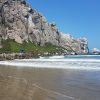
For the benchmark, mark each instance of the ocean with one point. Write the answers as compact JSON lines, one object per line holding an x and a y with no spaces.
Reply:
{"x":51,"y":78}
{"x":81,"y":62}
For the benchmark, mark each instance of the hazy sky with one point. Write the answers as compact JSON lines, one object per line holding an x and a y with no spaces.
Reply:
{"x":80,"y":18}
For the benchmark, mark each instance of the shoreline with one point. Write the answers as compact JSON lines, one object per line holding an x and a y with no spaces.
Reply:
{"x":13,"y":56}
{"x":49,"y":64}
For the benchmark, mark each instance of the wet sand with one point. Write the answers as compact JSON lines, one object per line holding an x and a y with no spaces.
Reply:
{"x":48,"y":84}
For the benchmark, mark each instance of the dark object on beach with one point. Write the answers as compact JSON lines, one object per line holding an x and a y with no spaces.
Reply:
{"x":22,"y":51}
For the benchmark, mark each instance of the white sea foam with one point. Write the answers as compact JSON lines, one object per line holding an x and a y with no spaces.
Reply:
{"x":80,"y":64}
{"x":56,"y":57}
{"x":58,"y":62}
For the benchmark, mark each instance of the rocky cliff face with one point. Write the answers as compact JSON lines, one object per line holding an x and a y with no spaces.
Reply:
{"x":20,"y":22}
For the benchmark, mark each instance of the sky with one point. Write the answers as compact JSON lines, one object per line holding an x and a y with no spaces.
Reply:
{"x":80,"y":18}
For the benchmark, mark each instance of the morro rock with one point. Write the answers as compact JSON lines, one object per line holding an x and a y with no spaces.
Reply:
{"x":18,"y":21}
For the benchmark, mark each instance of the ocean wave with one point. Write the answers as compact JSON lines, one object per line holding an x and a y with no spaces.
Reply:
{"x":55,"y":63}
{"x":53,"y":57}
{"x":58,"y":60}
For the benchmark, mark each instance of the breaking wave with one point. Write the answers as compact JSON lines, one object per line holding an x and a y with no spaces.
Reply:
{"x":88,"y":62}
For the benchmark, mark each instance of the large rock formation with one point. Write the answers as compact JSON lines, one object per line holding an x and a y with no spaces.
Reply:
{"x":20,"y":22}
{"x":96,"y":51}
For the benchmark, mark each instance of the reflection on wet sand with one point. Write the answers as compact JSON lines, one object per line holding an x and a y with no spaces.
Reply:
{"x":12,"y":88}
{"x":48,"y":84}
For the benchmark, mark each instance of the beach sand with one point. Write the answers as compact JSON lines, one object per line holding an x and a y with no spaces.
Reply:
{"x":48,"y":84}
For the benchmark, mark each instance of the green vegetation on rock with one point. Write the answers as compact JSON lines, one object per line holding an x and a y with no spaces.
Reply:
{"x":10,"y":46}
